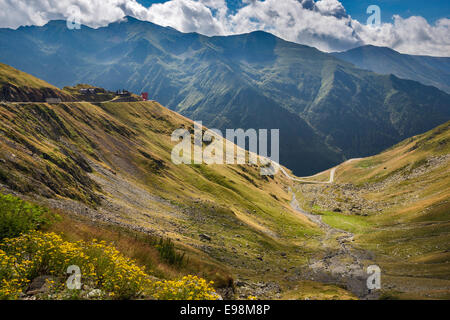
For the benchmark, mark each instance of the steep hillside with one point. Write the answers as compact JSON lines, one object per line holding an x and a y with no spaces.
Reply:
{"x":16,"y":85}
{"x":327,"y":109}
{"x":433,"y":71}
{"x":397,"y":205}
{"x":107,"y":166}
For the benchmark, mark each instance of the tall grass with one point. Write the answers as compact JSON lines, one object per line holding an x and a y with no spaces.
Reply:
{"x":167,"y":251}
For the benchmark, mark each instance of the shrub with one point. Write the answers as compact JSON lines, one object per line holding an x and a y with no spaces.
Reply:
{"x":17,"y":216}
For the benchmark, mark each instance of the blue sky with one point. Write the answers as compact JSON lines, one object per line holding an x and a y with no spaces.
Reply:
{"x":431,"y":10}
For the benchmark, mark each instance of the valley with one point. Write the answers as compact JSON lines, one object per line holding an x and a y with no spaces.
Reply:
{"x":110,"y":164}
{"x":104,"y":166}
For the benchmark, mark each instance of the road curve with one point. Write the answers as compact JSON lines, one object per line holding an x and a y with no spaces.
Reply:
{"x":332,"y":173}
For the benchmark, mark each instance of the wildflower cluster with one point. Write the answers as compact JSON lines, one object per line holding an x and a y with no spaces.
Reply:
{"x":105,"y":272}
{"x":118,"y":275}
{"x":102,"y":266}
{"x":188,"y":288}
{"x":11,"y":276}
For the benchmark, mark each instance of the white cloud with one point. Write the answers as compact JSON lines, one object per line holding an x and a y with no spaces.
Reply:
{"x":290,"y":20}
{"x":324,"y":24}
{"x":187,"y":16}
{"x":413,"y":35}
{"x":331,"y":8}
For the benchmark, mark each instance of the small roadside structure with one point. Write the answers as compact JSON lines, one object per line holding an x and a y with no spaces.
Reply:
{"x":123,"y":93}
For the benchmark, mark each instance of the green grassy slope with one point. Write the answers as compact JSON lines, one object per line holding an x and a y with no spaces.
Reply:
{"x":10,"y":75}
{"x":16,"y":85}
{"x":110,"y":163}
{"x":397,"y":205}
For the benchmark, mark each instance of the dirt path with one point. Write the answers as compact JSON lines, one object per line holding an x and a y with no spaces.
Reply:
{"x":340,"y":263}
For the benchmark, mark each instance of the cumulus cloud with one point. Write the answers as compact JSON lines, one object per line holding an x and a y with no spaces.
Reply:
{"x":94,"y":13}
{"x":291,"y":20}
{"x":324,"y":24}
{"x":189,"y":16}
{"x":413,"y":35}
{"x":331,"y":8}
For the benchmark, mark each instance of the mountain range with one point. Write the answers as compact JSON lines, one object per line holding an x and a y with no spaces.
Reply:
{"x":327,"y":109}
{"x":433,"y":71}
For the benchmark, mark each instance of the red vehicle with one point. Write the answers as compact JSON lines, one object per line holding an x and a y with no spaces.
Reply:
{"x":144,"y":96}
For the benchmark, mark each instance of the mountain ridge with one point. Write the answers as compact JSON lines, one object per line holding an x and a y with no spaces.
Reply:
{"x":429,"y":70}
{"x":204,"y":78}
